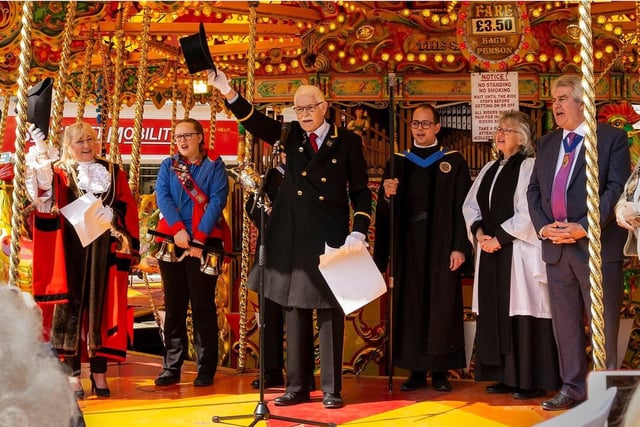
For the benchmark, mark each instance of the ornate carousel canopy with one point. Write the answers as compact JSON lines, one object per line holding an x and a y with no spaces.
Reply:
{"x":349,"y":45}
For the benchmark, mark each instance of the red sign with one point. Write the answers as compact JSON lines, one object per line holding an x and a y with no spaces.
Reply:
{"x":155,"y":138}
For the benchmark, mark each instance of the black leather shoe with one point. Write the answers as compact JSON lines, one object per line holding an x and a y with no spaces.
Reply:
{"x":441,"y":384}
{"x":100,"y":392}
{"x":270,"y":380}
{"x":291,"y":398}
{"x":414,"y":382}
{"x":560,"y":402}
{"x":498,"y":388}
{"x":168,"y":377}
{"x":332,"y":401}
{"x":203,"y":381}
{"x":523,"y":394}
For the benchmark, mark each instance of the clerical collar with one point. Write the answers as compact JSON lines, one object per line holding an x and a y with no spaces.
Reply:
{"x":425,"y":146}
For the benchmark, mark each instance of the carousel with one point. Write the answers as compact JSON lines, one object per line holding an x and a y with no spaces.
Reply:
{"x":120,"y":67}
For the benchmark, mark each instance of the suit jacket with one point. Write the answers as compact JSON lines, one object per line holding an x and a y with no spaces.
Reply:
{"x":613,"y":165}
{"x":312,"y":208}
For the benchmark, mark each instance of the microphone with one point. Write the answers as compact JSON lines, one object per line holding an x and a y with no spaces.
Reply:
{"x":284,"y":134}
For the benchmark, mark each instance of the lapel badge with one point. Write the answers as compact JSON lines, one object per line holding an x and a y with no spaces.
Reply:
{"x":445,"y":167}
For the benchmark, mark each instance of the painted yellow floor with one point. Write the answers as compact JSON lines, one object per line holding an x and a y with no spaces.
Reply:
{"x":136,"y":402}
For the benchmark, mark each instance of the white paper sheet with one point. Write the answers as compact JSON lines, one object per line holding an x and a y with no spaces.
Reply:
{"x":352,"y":276}
{"x":81,"y":213}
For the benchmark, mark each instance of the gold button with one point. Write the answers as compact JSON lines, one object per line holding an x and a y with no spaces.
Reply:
{"x":321,"y":198}
{"x":323,"y":179}
{"x":299,"y":192}
{"x":300,"y":149}
{"x":334,"y":161}
{"x":304,"y":173}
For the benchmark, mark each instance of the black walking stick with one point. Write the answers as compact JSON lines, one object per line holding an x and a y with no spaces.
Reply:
{"x":392,"y":138}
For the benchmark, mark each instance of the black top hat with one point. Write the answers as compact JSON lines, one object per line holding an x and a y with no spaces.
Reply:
{"x":196,"y":52}
{"x":39,"y":104}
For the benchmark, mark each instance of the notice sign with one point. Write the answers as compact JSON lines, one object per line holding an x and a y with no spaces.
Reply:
{"x":491,"y":94}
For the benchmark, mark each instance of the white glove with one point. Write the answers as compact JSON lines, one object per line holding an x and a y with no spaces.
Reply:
{"x":219,"y":81}
{"x":39,"y":138}
{"x":354,"y":242}
{"x":104,"y":216}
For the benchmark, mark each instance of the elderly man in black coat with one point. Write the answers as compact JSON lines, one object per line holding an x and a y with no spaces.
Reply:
{"x":325,"y":171}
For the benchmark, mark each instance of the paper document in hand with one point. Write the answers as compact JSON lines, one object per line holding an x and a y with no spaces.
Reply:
{"x":352,"y":276}
{"x":81,"y":213}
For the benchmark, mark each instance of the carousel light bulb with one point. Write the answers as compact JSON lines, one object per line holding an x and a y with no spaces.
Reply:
{"x":282,"y":67}
{"x":411,"y":57}
{"x":577,"y":59}
{"x":445,"y":20}
{"x":331,"y":47}
{"x":332,"y":26}
{"x":341,"y":18}
{"x":422,"y":57}
{"x":398,"y":57}
{"x":451,"y":58}
{"x":608,"y":48}
{"x":558,"y":57}
{"x":608,"y":26}
{"x":426,"y":13}
{"x":295,"y":63}
{"x":352,"y":61}
{"x":322,"y":29}
{"x":342,"y":54}
{"x":530,"y":57}
{"x":352,"y":8}
{"x":435,"y":19}
{"x":406,"y":12}
{"x":257,"y":65}
{"x":453,"y":16}
{"x":437,"y":57}
{"x":365,"y":57}
{"x":601,"y":19}
{"x":385,"y":57}
{"x":268,"y":68}
{"x":544,"y":57}
{"x":598,"y":54}
{"x":617,"y":30}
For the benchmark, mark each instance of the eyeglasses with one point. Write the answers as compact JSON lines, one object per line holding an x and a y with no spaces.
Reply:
{"x":506,"y":131}
{"x":307,"y":108}
{"x":424,"y":124}
{"x":185,"y":136}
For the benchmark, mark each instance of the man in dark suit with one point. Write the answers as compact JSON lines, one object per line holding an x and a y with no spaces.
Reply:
{"x":557,"y":198}
{"x":325,"y":171}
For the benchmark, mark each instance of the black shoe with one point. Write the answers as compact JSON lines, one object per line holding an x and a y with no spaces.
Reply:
{"x":270,"y":380}
{"x":499,"y":388}
{"x":523,"y":394}
{"x":415,"y":381}
{"x":168,"y":377}
{"x":332,"y":401}
{"x":203,"y":380}
{"x":292,"y":398}
{"x":100,"y":392}
{"x":441,"y":384}
{"x":559,"y":402}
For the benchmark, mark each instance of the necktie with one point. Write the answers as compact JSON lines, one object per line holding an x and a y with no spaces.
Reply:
{"x":312,"y":141}
{"x":558,"y":191}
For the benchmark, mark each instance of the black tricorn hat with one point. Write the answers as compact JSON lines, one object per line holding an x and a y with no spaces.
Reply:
{"x":196,"y":52}
{"x":39,"y":104}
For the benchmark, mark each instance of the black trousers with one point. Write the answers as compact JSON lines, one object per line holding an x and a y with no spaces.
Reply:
{"x":299,"y":322}
{"x":97,"y":365}
{"x":273,"y":337}
{"x":183,"y":282}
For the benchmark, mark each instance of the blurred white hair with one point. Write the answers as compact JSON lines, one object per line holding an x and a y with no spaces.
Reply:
{"x":34,"y":390}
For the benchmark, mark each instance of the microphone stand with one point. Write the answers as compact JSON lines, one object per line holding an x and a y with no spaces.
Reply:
{"x":261,"y":412}
{"x":392,"y":140}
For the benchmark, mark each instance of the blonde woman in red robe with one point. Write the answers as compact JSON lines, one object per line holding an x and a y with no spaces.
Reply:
{"x":79,"y":275}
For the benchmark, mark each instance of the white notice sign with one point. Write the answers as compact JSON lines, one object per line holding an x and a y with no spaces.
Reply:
{"x":491,"y":94}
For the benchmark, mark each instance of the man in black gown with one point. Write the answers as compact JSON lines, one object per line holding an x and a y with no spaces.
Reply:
{"x":429,"y":187}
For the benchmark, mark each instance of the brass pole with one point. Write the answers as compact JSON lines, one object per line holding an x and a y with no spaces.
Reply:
{"x":19,"y":190}
{"x":84,"y":80}
{"x":593,"y":198}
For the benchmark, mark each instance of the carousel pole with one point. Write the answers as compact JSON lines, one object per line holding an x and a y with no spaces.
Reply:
{"x":593,"y":198}
{"x":84,"y":79}
{"x":114,"y":112}
{"x":4,"y":111}
{"x":390,"y":301}
{"x":134,"y":167}
{"x":60,"y":83}
{"x":245,"y":265}
{"x":19,"y":190}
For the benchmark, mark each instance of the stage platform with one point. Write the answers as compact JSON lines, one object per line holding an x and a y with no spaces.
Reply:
{"x":136,"y":402}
